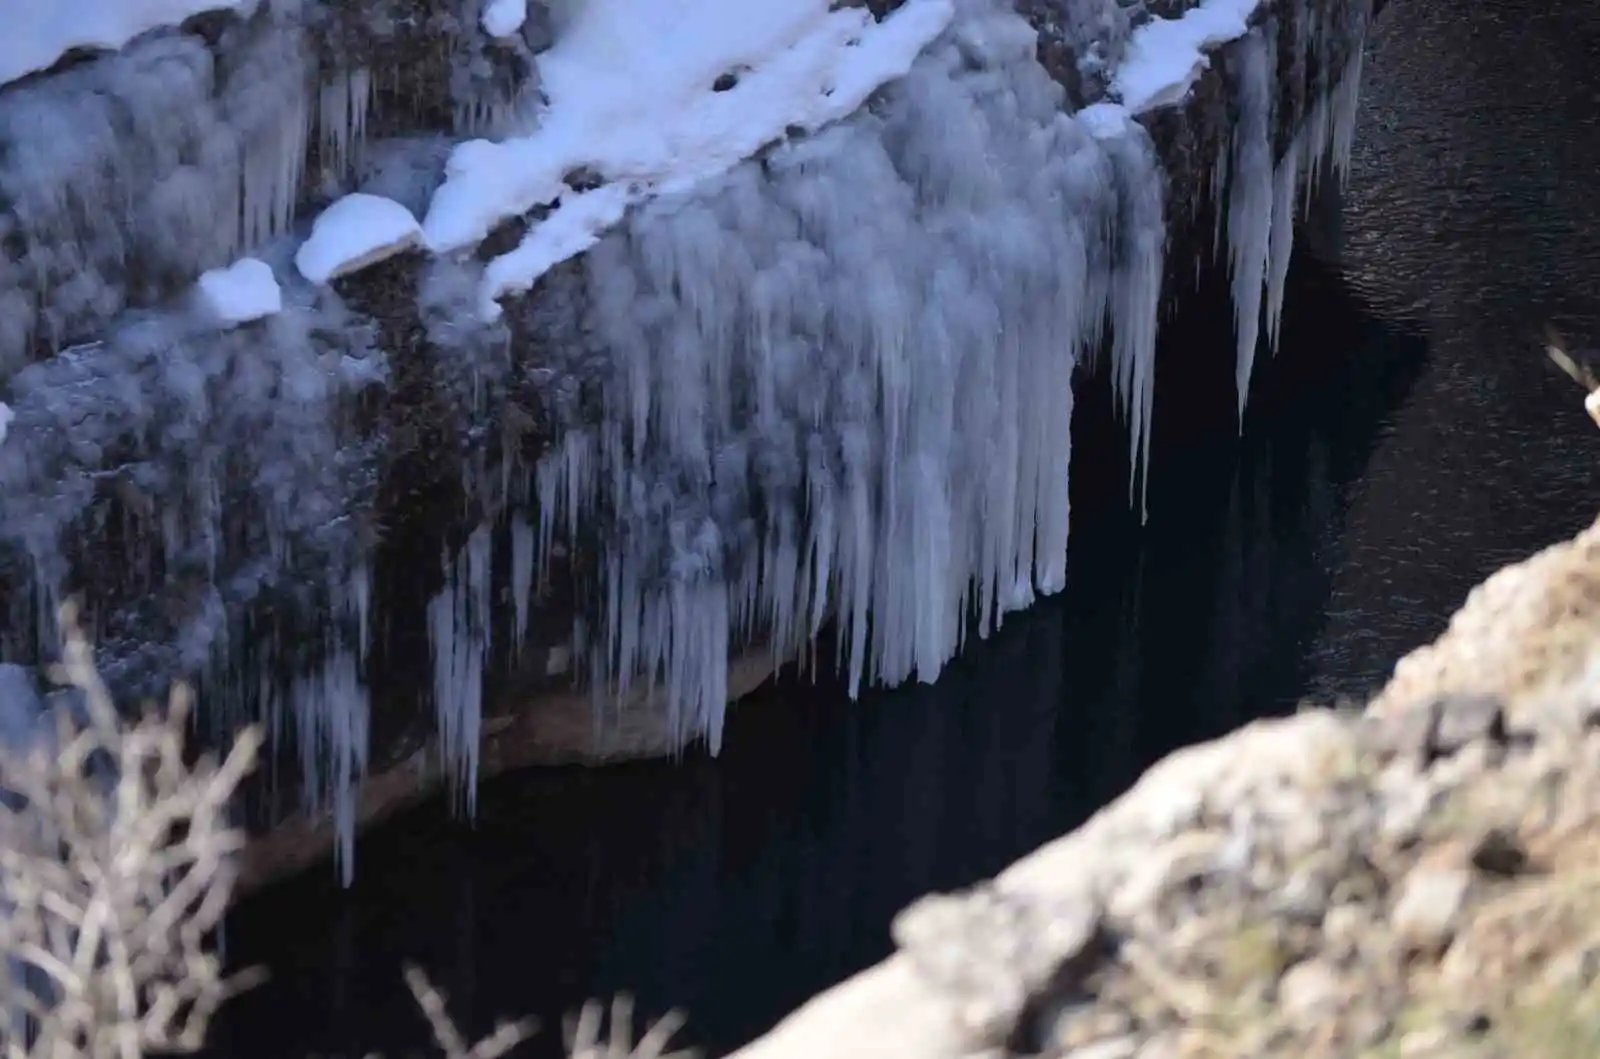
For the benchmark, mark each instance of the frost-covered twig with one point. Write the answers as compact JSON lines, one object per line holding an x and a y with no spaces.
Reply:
{"x":506,"y":1035}
{"x":116,"y":862}
{"x":1556,"y":349}
{"x":584,"y":1041}
{"x":583,"y":1033}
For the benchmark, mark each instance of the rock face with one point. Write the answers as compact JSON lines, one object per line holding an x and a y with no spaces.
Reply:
{"x":1421,"y":880}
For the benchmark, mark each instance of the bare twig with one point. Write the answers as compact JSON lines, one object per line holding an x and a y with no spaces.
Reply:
{"x":584,"y":1041}
{"x":116,"y":859}
{"x":506,"y":1036}
{"x":1556,"y":349}
{"x":116,"y":864}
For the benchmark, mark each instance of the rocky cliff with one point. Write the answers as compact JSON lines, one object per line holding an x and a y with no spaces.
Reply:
{"x":1420,"y":878}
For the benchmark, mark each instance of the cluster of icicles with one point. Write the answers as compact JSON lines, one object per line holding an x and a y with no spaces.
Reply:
{"x":836,"y":387}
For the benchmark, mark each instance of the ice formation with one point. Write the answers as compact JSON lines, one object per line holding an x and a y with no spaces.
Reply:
{"x":805,"y":292}
{"x":1249,"y":210}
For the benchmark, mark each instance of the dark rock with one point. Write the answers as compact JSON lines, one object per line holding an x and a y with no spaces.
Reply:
{"x":1438,"y":728}
{"x":1500,"y":853}
{"x":1465,"y":719}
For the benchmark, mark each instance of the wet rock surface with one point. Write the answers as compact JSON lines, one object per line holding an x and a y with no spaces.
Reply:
{"x":1419,"y":879}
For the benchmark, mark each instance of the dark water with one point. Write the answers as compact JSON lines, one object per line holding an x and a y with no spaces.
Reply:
{"x":1476,"y":211}
{"x":1406,"y":440}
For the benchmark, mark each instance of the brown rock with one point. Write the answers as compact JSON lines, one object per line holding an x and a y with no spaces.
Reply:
{"x":1311,"y":993}
{"x":1428,"y":909}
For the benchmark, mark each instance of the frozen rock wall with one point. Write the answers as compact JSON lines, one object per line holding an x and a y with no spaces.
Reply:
{"x":825,"y":388}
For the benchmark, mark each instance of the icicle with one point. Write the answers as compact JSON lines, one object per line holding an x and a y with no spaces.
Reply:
{"x":488,"y":115}
{"x":1285,"y":182}
{"x":1346,"y":108}
{"x":342,"y":108}
{"x":522,"y":559}
{"x":1136,"y":298}
{"x":884,"y":375}
{"x":1314,"y":137}
{"x":332,"y":711}
{"x":332,"y":718}
{"x":458,"y":625}
{"x":274,"y":159}
{"x":1250,"y":201}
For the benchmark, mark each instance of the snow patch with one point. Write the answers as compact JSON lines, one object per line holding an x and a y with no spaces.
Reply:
{"x":356,"y":231}
{"x":502,"y":18}
{"x":6,"y":416}
{"x":38,"y":32}
{"x":656,"y":96}
{"x":243,"y":291}
{"x":1166,"y":56}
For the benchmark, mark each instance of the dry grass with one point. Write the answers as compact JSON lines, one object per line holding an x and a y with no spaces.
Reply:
{"x":116,"y":866}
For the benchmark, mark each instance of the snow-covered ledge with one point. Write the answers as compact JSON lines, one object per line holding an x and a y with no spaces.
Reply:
{"x":39,"y":32}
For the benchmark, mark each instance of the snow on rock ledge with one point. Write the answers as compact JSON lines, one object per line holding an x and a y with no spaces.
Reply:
{"x":356,"y":231}
{"x":243,"y":291}
{"x":39,"y":32}
{"x":502,"y":18}
{"x":654,"y":98}
{"x":1166,"y":56}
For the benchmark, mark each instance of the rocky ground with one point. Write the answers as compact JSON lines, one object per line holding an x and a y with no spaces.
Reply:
{"x":1418,"y":879}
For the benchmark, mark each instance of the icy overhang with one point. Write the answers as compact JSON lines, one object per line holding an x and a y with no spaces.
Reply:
{"x":39,"y":32}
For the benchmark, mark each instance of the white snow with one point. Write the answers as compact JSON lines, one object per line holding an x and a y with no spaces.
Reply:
{"x":631,"y":86}
{"x":502,"y":18}
{"x":243,"y":291}
{"x":6,"y":416}
{"x":632,"y":92}
{"x":356,"y":231}
{"x":38,"y":32}
{"x":1166,"y":56}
